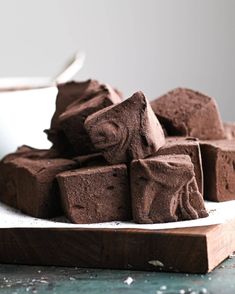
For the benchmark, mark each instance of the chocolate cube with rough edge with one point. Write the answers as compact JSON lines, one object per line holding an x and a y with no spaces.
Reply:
{"x":187,"y":146}
{"x":126,"y":131}
{"x":96,"y":194}
{"x":8,"y":191}
{"x":72,"y":120}
{"x":94,"y":159}
{"x":218,"y":161}
{"x":164,"y":189}
{"x":32,"y":185}
{"x":72,"y":94}
{"x":185,"y":112}
{"x":229,"y":129}
{"x":37,"y":189}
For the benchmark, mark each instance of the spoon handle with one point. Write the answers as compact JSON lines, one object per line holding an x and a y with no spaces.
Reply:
{"x":71,"y":68}
{"x":69,"y":71}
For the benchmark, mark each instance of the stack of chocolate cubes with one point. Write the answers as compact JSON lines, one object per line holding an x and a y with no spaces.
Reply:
{"x":121,"y":160}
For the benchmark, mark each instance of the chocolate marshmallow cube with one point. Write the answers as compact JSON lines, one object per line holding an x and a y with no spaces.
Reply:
{"x":8,"y":192}
{"x":72,"y":119}
{"x":164,"y":189}
{"x":69,"y":102}
{"x":126,"y":131}
{"x":185,"y":112}
{"x":73,"y":92}
{"x":96,"y":194}
{"x":94,"y":159}
{"x":68,"y":93}
{"x":187,"y":146}
{"x":229,"y":129}
{"x":8,"y":172}
{"x":218,"y":160}
{"x":32,"y":185}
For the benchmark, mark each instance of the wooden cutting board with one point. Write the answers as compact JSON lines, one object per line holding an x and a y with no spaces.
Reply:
{"x":191,"y":250}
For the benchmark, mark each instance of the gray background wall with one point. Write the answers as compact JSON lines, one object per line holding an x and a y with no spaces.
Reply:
{"x":132,"y":44}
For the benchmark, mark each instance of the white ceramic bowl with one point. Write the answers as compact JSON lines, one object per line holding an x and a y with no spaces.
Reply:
{"x":25,"y":114}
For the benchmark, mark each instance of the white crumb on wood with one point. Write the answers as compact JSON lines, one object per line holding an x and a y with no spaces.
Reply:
{"x":156,"y":263}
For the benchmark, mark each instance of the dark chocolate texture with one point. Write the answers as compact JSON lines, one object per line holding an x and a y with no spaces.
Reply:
{"x":29,"y":184}
{"x":95,"y":159}
{"x":70,"y":110}
{"x":96,"y":194}
{"x":72,"y":120}
{"x":72,"y":92}
{"x":8,"y":192}
{"x":37,"y":190}
{"x":218,"y":160}
{"x":187,"y":146}
{"x":164,"y":189}
{"x":229,"y":129}
{"x":185,"y":112}
{"x":126,"y":131}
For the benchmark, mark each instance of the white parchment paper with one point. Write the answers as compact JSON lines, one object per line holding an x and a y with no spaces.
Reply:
{"x":218,"y":213}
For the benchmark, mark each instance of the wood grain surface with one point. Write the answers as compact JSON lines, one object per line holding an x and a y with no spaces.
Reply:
{"x":191,"y":250}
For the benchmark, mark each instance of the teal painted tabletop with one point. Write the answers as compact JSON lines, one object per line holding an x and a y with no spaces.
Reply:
{"x":37,"y":279}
